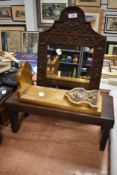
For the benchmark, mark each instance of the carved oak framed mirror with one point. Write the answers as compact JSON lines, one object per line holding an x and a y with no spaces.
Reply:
{"x":70,"y":53}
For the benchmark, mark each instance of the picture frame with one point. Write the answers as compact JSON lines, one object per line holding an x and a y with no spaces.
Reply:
{"x":111,"y":48}
{"x":18,"y":13}
{"x":11,"y":41}
{"x":110,"y":25}
{"x":5,"y":13}
{"x":112,"y":4}
{"x":88,"y":3}
{"x":30,"y":42}
{"x":95,"y":16}
{"x":48,"y":11}
{"x":16,"y":27}
{"x":6,"y":27}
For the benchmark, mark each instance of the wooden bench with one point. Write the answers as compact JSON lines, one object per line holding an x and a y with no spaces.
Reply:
{"x":26,"y":100}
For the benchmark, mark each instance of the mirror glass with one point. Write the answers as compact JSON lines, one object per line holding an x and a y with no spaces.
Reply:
{"x":69,"y":61}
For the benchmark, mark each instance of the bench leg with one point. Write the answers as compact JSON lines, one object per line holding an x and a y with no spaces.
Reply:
{"x":104,"y":138}
{"x":13,"y":117}
{"x":1,"y":137}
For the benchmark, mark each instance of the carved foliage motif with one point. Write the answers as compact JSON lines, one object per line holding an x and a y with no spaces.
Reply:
{"x":74,"y":39}
{"x":76,"y":27}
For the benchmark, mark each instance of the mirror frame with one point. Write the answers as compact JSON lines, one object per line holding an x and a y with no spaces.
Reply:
{"x":71,"y":29}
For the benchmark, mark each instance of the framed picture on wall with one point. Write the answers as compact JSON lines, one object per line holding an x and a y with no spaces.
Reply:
{"x":48,"y":11}
{"x":9,"y":28}
{"x":86,"y":3}
{"x":11,"y":41}
{"x":18,"y":12}
{"x":95,"y":16}
{"x":30,"y":41}
{"x":110,"y":25}
{"x":112,"y":4}
{"x":5,"y":13}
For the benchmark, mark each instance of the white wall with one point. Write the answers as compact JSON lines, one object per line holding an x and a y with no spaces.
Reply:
{"x":31,"y":15}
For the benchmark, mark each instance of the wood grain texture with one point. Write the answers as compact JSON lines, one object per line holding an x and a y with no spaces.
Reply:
{"x":55,"y":98}
{"x":46,"y":146}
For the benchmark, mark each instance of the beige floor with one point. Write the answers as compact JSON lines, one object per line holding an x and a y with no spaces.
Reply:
{"x":45,"y":146}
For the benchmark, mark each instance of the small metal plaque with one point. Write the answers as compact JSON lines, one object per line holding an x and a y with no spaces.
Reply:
{"x":72,"y":15}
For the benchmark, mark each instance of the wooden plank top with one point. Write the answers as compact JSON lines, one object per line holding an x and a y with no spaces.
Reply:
{"x":55,"y":98}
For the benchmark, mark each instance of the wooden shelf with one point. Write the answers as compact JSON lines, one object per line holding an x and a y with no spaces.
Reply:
{"x":72,"y":64}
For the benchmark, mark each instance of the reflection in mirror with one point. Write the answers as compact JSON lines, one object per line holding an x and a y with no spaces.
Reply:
{"x":69,"y":61}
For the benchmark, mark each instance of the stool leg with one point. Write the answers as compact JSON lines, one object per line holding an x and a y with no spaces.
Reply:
{"x":109,"y":67}
{"x":13,"y":116}
{"x":104,"y":138}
